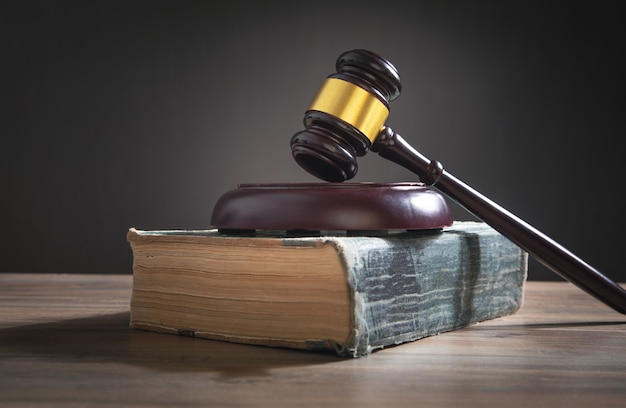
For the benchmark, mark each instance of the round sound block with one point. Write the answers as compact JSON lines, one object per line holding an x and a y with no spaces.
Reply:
{"x":350,"y":207}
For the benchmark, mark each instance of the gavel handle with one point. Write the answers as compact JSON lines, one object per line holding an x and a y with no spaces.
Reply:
{"x":392,"y":146}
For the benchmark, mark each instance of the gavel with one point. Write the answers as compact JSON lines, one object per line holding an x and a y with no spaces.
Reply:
{"x":347,"y":118}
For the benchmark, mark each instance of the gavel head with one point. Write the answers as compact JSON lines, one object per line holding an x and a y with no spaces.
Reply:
{"x":346,"y":116}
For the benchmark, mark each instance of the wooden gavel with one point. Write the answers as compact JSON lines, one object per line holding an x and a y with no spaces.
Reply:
{"x":347,"y":118}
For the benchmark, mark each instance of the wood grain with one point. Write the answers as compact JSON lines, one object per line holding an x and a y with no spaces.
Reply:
{"x":64,"y":341}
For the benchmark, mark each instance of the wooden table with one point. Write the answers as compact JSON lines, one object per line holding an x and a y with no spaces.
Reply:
{"x":64,"y":341}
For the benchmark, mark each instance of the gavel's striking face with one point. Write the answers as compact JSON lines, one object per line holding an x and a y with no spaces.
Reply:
{"x":346,"y":116}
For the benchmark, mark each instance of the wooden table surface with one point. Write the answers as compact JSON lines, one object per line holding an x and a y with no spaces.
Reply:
{"x":64,"y":341}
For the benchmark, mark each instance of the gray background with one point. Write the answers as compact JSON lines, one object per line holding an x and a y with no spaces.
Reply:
{"x":141,"y":114}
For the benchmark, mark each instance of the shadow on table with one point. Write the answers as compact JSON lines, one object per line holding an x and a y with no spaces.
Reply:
{"x":107,"y":338}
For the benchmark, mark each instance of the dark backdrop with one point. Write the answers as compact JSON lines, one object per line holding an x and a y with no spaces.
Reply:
{"x":141,"y":114}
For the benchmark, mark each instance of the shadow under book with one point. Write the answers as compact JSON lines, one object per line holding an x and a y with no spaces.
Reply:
{"x":350,"y":294}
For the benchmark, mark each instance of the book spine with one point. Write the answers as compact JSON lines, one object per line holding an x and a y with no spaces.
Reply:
{"x":405,"y":289}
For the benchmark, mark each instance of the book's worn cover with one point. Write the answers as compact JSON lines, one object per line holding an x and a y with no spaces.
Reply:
{"x":407,"y":286}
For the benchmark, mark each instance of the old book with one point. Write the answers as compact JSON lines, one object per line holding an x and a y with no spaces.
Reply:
{"x":349,"y":294}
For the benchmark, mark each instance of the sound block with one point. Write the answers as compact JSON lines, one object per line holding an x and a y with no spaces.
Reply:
{"x":308,"y":208}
